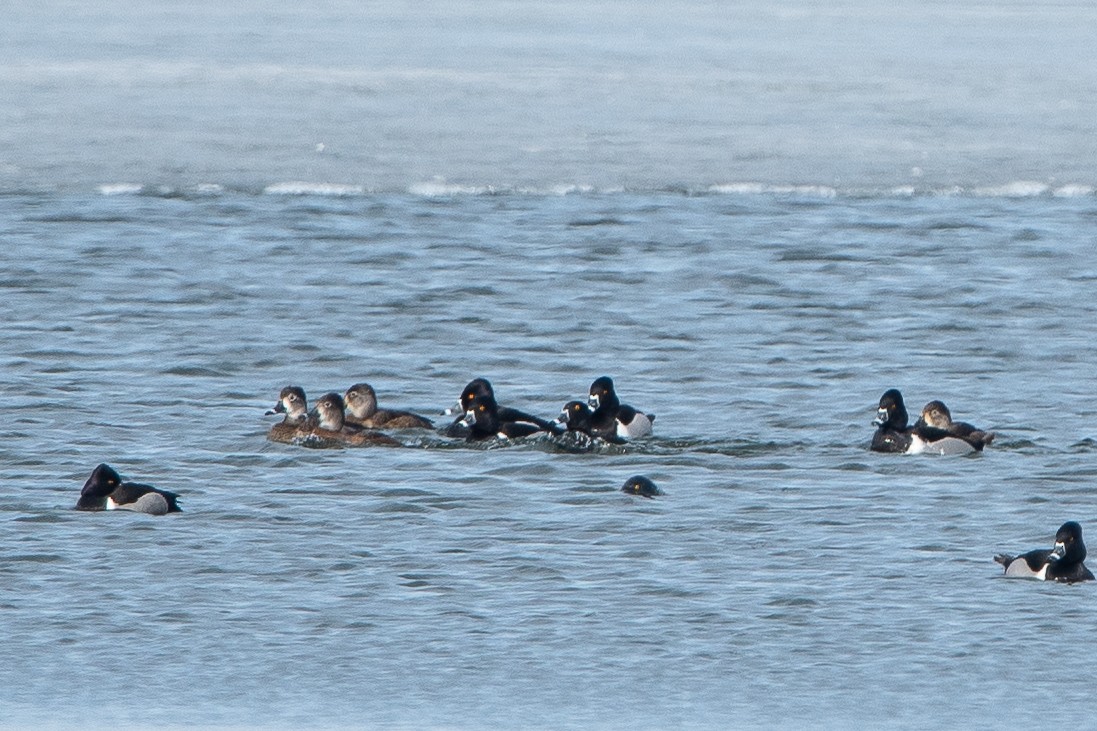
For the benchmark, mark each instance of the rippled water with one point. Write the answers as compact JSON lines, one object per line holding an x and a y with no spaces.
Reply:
{"x":787,"y":576}
{"x":755,"y":216}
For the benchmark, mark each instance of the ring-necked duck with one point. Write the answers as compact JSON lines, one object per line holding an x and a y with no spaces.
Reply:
{"x":938,"y":431}
{"x":105,"y":490}
{"x":1061,"y":563}
{"x":476,"y":388}
{"x":642,"y":486}
{"x":331,"y":424}
{"x":578,"y":417}
{"x":575,"y":417}
{"x":611,"y":416}
{"x":292,"y":403}
{"x":361,"y":402}
{"x":892,"y":434}
{"x":485,"y":418}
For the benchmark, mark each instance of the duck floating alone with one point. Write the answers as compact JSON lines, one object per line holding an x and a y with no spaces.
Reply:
{"x":1063,"y":562}
{"x":642,"y":486}
{"x":106,"y":490}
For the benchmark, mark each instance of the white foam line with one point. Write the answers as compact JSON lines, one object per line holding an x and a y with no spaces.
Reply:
{"x":120,"y":188}
{"x":302,"y":188}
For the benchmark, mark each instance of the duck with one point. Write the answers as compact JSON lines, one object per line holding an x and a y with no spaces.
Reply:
{"x":293,"y":403}
{"x":641,"y":486}
{"x":361,"y":403}
{"x":1063,"y":562}
{"x":578,"y":418}
{"x":105,"y":490}
{"x":938,"y":432}
{"x":892,"y":433}
{"x":575,"y":416}
{"x":484,"y":418}
{"x":330,"y":423}
{"x":611,"y":416}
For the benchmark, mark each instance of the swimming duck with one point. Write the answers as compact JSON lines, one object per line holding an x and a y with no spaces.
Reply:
{"x":578,"y":418}
{"x":105,"y":490}
{"x":361,"y":402}
{"x":485,"y":418}
{"x":612,"y":417}
{"x":1061,"y":563}
{"x":331,"y":423}
{"x":642,"y":486}
{"x":575,"y":417}
{"x":292,"y":403}
{"x":938,"y":432}
{"x":892,"y":433}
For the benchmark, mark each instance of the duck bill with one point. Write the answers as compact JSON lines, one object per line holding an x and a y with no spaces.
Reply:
{"x":470,"y":418}
{"x":279,"y":408}
{"x":593,"y":401}
{"x":1058,"y":552}
{"x":881,"y":417}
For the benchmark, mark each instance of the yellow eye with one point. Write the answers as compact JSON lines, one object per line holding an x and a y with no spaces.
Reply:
{"x":483,"y":408}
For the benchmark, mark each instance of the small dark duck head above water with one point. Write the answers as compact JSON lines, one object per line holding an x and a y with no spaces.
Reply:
{"x":642,"y":486}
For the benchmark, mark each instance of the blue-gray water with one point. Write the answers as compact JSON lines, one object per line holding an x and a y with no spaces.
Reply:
{"x":755,"y":220}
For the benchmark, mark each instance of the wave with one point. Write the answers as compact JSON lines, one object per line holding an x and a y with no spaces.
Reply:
{"x":440,"y":188}
{"x":338,"y":190}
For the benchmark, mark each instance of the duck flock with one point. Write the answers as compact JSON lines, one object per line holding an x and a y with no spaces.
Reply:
{"x":354,"y":419}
